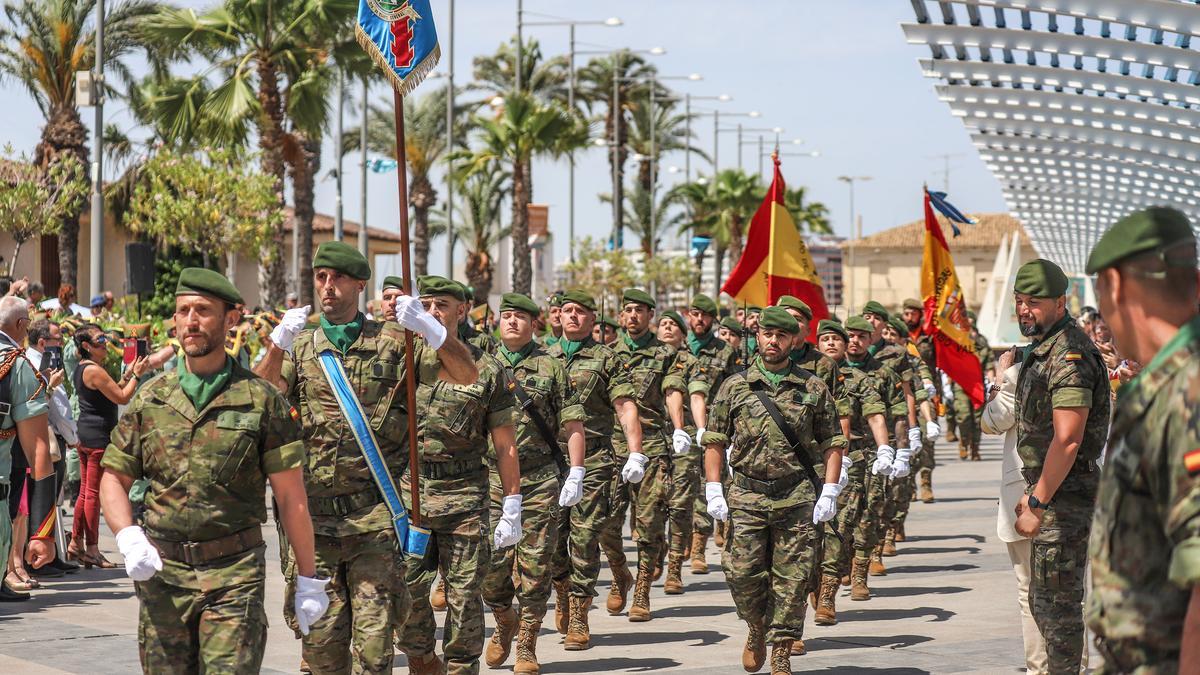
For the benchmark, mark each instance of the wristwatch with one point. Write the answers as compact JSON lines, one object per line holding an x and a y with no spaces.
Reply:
{"x":1035,"y":503}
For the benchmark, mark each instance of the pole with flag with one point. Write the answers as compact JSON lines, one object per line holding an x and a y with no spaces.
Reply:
{"x":775,"y":261}
{"x":401,"y":39}
{"x":946,"y":319}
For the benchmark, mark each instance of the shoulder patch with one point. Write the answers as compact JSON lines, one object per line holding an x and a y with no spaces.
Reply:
{"x":294,"y":413}
{"x":1072,"y":356}
{"x":1191,"y":462}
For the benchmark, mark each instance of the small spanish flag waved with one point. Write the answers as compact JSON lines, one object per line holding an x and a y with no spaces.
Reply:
{"x":776,"y":262}
{"x":400,"y":38}
{"x":1191,"y":462}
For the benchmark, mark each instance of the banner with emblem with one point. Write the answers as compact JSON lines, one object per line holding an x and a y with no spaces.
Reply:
{"x":400,"y":38}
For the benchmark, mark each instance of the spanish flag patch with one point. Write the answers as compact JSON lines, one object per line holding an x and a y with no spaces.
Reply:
{"x":294,"y":413}
{"x":1191,"y":462}
{"x":1072,"y":356}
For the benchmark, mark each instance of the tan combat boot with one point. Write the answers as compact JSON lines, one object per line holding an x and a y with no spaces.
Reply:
{"x":659,"y":567}
{"x":618,"y":592}
{"x":926,"y":492}
{"x":975,"y":457}
{"x":579,"y":636}
{"x":754,"y":654}
{"x":900,"y":536}
{"x":781,"y":658}
{"x":429,"y":664}
{"x":437,"y":599}
{"x":877,"y":568}
{"x":858,"y":580}
{"x":527,"y":663}
{"x":719,"y":533}
{"x":699,"y":564}
{"x":562,"y":606}
{"x":674,"y":583}
{"x":826,"y":612}
{"x":798,"y":648}
{"x":889,"y":543}
{"x":640,"y":609}
{"x":501,"y":643}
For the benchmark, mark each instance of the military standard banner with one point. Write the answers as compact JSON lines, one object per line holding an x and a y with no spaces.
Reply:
{"x":401,"y":39}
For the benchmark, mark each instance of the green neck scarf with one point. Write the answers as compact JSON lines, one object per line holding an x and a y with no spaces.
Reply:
{"x":572,"y":347}
{"x":875,"y":347}
{"x":202,"y":389}
{"x":696,"y":342}
{"x":856,"y":364}
{"x":637,"y":343}
{"x":516,"y":357}
{"x":773,"y":377}
{"x":342,"y":335}
{"x":751,"y":345}
{"x":552,"y":340}
{"x":797,"y":355}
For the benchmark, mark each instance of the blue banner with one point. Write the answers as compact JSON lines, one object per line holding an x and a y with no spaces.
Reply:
{"x":401,"y":39}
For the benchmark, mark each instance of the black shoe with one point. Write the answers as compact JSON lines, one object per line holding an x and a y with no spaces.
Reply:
{"x":47,"y":572}
{"x":60,"y":564}
{"x":9,"y":595}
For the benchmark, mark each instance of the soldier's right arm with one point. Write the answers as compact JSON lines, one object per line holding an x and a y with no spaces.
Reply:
{"x":571,"y":415}
{"x":271,"y":366}
{"x":720,"y":433}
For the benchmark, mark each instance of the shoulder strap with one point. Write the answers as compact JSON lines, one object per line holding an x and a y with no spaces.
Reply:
{"x":539,"y":422}
{"x":789,"y":433}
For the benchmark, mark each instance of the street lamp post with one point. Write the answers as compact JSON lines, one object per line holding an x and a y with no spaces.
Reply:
{"x":754,"y":114}
{"x":850,"y":181}
{"x":362,"y":144}
{"x":741,"y":142}
{"x":96,"y":276}
{"x":338,"y":222}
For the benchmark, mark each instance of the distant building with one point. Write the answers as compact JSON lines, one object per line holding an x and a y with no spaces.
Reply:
{"x":827,"y":256}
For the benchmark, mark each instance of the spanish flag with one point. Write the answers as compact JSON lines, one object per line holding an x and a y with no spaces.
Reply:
{"x":946,"y":312}
{"x":775,"y":261}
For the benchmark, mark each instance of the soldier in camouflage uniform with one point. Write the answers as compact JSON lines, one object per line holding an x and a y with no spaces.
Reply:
{"x":393,"y":287}
{"x":913,"y":313}
{"x":602,"y":387}
{"x":715,"y":360}
{"x":1064,"y":399}
{"x":966,"y":414}
{"x":525,"y":571}
{"x":208,"y":436}
{"x":454,"y":427}
{"x":355,"y":542}
{"x":553,"y":320}
{"x":1144,"y":604}
{"x":774,"y":510}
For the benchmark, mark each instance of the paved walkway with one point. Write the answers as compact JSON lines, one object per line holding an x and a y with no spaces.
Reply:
{"x":946,"y":606}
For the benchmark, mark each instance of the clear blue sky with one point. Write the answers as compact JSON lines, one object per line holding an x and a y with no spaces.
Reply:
{"x":836,"y":73}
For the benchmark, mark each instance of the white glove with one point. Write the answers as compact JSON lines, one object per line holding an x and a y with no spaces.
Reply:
{"x":572,"y":489}
{"x":826,"y":507}
{"x":900,"y":464}
{"x":508,"y":530}
{"x":931,"y":390}
{"x":635,"y":468}
{"x":845,"y":477}
{"x":311,"y":601}
{"x":933,"y":431}
{"x":141,"y":558}
{"x":700,"y":433}
{"x":290,"y":326}
{"x":717,"y":508}
{"x":884,"y":457}
{"x":411,"y":314}
{"x":681,"y":441}
{"x":914,"y":439}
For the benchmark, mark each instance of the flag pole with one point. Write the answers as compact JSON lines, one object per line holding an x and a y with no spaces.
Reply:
{"x":410,"y":382}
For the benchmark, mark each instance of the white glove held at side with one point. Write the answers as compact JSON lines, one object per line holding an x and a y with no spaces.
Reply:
{"x":311,"y":601}
{"x":900,"y":466}
{"x":508,"y":530}
{"x":635,"y":468}
{"x":714,"y":495}
{"x":572,"y":489}
{"x":845,"y":477}
{"x":914,"y":438}
{"x":141,"y":558}
{"x":884,"y":457}
{"x":681,"y":441}
{"x":411,"y":314}
{"x":290,"y":326}
{"x":826,"y":507}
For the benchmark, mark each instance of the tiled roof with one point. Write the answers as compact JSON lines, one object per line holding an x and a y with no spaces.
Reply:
{"x":985,"y":233}
{"x":324,"y":223}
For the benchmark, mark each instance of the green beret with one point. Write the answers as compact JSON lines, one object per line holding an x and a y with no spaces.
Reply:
{"x":393,"y":282}
{"x":519,"y":302}
{"x":877,"y":309}
{"x":913,"y":303}
{"x":637,"y":295}
{"x":898,"y":323}
{"x":676,"y":317}
{"x":704,"y":303}
{"x":556,"y":300}
{"x":340,"y":256}
{"x":580,"y":298}
{"x":200,"y":281}
{"x":778,"y":318}
{"x":860,"y":324}
{"x":732,"y":324}
{"x":609,"y":321}
{"x":434,"y":285}
{"x":754,"y":309}
{"x":1153,"y":229}
{"x":828,"y":326}
{"x":972,"y":316}
{"x":1041,"y":279}
{"x":792,"y":302}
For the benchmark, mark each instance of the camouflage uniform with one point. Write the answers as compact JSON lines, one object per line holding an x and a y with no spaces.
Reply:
{"x":1063,"y":370}
{"x":769,"y":555}
{"x":967,"y":415}
{"x":207,"y":473}
{"x":899,"y":490}
{"x":453,"y":432}
{"x":715,"y":360}
{"x":1146,"y":530}
{"x":869,"y":529}
{"x":922,"y":345}
{"x":864,"y":397}
{"x":904,"y":489}
{"x":355,"y":543}
{"x":685,"y":469}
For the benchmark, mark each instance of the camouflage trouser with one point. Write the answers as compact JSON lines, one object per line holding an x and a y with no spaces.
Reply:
{"x":221,"y":629}
{"x":685,"y":491}
{"x":870,"y":527}
{"x":368,"y":602}
{"x":463,"y":548}
{"x":966,"y":416}
{"x":612,"y":534}
{"x":769,"y":561}
{"x":523,"y":571}
{"x":587,"y":522}
{"x":650,"y":506}
{"x":701,"y":521}
{"x":851,"y":502}
{"x":900,"y":496}
{"x":1057,"y":576}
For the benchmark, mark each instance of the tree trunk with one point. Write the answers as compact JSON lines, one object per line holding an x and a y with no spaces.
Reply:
{"x":422,"y":197}
{"x":736,"y":238}
{"x":304,"y":172}
{"x":12,"y":265}
{"x":522,"y":269}
{"x":479,"y":275}
{"x":718,"y":268}
{"x":271,"y":280}
{"x":64,"y":133}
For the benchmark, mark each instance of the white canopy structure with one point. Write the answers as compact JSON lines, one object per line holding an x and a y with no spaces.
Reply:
{"x":1084,"y":110}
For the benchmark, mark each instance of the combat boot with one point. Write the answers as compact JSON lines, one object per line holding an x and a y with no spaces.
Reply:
{"x":527,"y":663}
{"x":640,"y":609}
{"x":826,"y":612}
{"x":674,"y":583}
{"x":437,"y":599}
{"x":963,"y":452}
{"x":926,"y":493}
{"x":900,"y":536}
{"x":877,"y":568}
{"x":618,"y":592}
{"x":858,"y":580}
{"x":562,"y":605}
{"x":781,"y":658}
{"x":798,"y":648}
{"x":889,"y":543}
{"x":699,"y":564}
{"x":719,"y":533}
{"x":579,"y":636}
{"x":975,"y":457}
{"x":754,"y":654}
{"x":501,"y":643}
{"x":658,"y":562}
{"x":428,"y":664}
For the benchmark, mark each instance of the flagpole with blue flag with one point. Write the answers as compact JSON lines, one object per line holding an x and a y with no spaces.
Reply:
{"x":400,"y":37}
{"x":944,"y":207}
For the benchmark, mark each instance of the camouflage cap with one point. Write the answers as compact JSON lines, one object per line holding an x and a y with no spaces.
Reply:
{"x":393,"y":282}
{"x":1041,"y":279}
{"x":913,"y":303}
{"x":829,"y":326}
{"x":200,"y":281}
{"x":1152,"y":229}
{"x":873,"y":307}
{"x":581,"y":298}
{"x":520,"y":303}
{"x":732,"y":324}
{"x":860,"y":324}
{"x":792,"y":302}
{"x":779,"y":319}
{"x":344,"y":258}
{"x":674,"y":316}
{"x":704,"y":304}
{"x":637,"y":295}
{"x":430,"y":285}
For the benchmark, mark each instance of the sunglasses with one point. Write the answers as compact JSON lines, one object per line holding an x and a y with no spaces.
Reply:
{"x":99,"y":340}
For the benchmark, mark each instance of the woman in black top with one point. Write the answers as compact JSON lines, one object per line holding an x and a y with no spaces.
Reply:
{"x":99,"y":397}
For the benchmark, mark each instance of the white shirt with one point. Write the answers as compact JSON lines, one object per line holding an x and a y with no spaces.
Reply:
{"x":61,"y":419}
{"x":1000,"y":417}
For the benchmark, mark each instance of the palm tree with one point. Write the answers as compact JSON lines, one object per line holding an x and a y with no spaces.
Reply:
{"x":737,"y":194}
{"x":810,"y":216}
{"x":544,"y":79}
{"x":701,"y":217}
{"x":42,"y":45}
{"x":670,"y":134}
{"x":480,"y":207}
{"x":649,"y":230}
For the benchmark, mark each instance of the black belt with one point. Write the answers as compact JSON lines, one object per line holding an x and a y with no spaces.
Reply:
{"x":451,"y":470}
{"x":201,"y":552}
{"x":770,"y":488}
{"x":343,"y":505}
{"x":3,"y":492}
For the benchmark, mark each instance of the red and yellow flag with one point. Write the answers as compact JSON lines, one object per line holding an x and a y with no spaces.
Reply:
{"x":776,"y":261}
{"x":946,"y":312}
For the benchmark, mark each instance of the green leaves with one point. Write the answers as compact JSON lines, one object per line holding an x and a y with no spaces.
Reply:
{"x":36,"y":200}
